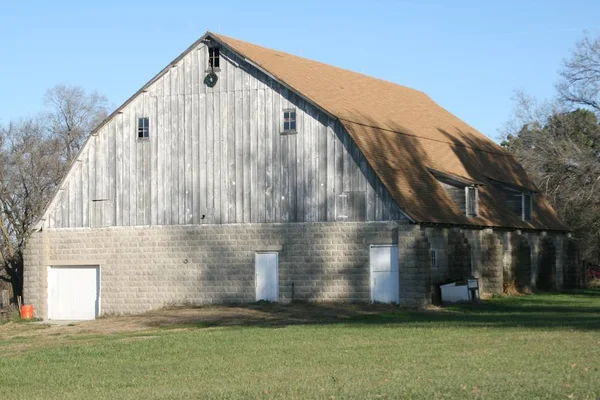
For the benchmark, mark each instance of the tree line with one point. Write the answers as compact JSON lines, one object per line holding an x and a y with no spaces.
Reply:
{"x":558,"y":143}
{"x":35,"y":153}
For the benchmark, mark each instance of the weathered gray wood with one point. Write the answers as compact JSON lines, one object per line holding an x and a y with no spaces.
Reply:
{"x":216,"y":197}
{"x":85,"y":195}
{"x":276,"y":143}
{"x":187,"y":152}
{"x":253,"y":165}
{"x":260,"y":155}
{"x":230,"y":137}
{"x":159,"y":137}
{"x":246,"y":155}
{"x":224,"y":166}
{"x":239,"y":152}
{"x":219,"y":153}
{"x":203,"y":153}
{"x":268,"y":156}
{"x":195,"y":158}
{"x":210,"y":175}
{"x":175,"y":155}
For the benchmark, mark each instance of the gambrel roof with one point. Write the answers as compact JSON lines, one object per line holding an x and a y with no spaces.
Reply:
{"x":404,"y":134}
{"x":405,"y":137}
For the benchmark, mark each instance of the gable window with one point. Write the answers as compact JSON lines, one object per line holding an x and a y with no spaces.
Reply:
{"x":434,"y":258}
{"x":143,"y":128}
{"x":471,"y":201}
{"x":213,"y":57}
{"x":289,"y":120}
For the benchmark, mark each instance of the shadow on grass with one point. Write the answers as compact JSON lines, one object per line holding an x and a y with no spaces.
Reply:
{"x":578,"y":310}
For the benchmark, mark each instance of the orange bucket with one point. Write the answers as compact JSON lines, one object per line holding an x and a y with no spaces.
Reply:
{"x":27,"y":312}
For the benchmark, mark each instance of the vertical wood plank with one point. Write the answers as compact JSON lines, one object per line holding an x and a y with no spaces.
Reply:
{"x":331,"y":138}
{"x":308,"y":166}
{"x":301,"y":155}
{"x":118,"y":198}
{"x":161,"y":133}
{"x":85,"y":195}
{"x":339,"y":166}
{"x":268,"y":155}
{"x":224,"y":152}
{"x":322,"y":166}
{"x":187,"y":152}
{"x":174,"y":146}
{"x":247,"y":160}
{"x":181,"y":143}
{"x":202,"y":150}
{"x":260,"y":155}
{"x":141,"y":170}
{"x":276,"y":143}
{"x":168,"y":139}
{"x":253,"y":152}
{"x":195,"y":159}
{"x":152,"y":160}
{"x":210,"y":175}
{"x":239,"y":152}
{"x":231,"y":150}
{"x":216,"y":134}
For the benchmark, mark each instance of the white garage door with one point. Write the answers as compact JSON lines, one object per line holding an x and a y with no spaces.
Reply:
{"x":385,"y":282}
{"x":73,"y":292}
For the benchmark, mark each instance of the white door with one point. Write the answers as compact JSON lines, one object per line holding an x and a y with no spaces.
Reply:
{"x":73,"y":293}
{"x":385,"y":282}
{"x":267,"y":281}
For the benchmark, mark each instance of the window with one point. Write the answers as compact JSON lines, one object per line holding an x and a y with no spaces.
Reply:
{"x":471,"y":201}
{"x":143,"y":128}
{"x":213,"y":57}
{"x":526,"y":206}
{"x":434,"y":258}
{"x":521,"y":204}
{"x":289,"y":120}
{"x":518,"y":199}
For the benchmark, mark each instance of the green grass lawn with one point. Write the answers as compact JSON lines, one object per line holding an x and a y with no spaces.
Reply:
{"x":544,"y":346}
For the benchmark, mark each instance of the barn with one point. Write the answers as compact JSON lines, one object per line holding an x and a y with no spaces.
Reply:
{"x":241,"y":173}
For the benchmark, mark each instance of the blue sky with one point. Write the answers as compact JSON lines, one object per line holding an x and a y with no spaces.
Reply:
{"x":469,"y":56}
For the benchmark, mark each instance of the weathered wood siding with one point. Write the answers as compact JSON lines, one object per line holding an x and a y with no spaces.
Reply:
{"x":216,"y":156}
{"x":457,"y":193}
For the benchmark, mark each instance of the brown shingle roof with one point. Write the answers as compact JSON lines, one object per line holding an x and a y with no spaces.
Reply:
{"x":402,"y":132}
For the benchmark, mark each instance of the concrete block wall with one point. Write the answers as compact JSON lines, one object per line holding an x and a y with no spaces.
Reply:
{"x":144,"y":268}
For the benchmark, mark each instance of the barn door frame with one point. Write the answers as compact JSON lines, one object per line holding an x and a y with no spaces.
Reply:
{"x":73,"y":265}
{"x":394,"y":270}
{"x":275,"y":280}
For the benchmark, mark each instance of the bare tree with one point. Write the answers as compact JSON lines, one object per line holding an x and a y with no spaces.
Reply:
{"x":560,"y":148}
{"x":34,"y":156}
{"x":31,"y":165}
{"x":579,"y":83}
{"x":74,"y":114}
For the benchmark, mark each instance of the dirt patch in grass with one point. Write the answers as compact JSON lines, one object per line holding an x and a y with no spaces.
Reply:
{"x":15,"y":337}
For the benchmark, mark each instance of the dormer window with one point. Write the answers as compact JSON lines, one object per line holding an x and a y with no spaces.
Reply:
{"x":519,"y":199}
{"x":462,"y":190}
{"x":471,"y":200}
{"x":213,"y":58}
{"x":527,"y":206}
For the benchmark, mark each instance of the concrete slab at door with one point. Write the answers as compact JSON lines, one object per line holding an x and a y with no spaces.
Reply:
{"x":385,"y":281}
{"x":267,"y":279}
{"x":73,"y":292}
